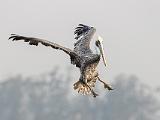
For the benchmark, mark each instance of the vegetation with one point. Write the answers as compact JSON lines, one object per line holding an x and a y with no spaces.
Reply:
{"x":50,"y":98}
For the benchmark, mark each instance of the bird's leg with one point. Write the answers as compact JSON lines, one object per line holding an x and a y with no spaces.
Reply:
{"x":85,"y":81}
{"x":94,"y":94}
{"x":105,"y":84}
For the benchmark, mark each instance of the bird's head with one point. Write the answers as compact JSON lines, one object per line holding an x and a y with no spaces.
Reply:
{"x":99,"y":44}
{"x":84,"y":30}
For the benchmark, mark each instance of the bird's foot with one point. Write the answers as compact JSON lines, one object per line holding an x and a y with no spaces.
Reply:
{"x":94,"y":94}
{"x":106,"y":86}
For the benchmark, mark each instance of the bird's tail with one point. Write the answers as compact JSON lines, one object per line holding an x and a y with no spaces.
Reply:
{"x":83,"y":88}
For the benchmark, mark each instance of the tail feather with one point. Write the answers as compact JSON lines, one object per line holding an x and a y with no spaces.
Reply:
{"x":92,"y":82}
{"x":83,"y":88}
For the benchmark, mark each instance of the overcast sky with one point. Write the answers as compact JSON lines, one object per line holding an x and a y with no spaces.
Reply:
{"x":130,"y":28}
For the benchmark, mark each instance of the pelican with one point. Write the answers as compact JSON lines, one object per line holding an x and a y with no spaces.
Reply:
{"x":81,"y":56}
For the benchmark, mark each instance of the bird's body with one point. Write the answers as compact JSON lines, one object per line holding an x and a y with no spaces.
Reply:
{"x":82,"y":56}
{"x":88,"y":63}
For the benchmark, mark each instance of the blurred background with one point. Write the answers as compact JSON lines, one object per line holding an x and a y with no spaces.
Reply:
{"x":37,"y":82}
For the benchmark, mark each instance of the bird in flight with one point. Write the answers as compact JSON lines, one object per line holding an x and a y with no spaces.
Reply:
{"x":81,"y":56}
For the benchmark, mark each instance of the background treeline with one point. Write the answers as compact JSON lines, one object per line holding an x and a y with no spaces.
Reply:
{"x":51,"y":97}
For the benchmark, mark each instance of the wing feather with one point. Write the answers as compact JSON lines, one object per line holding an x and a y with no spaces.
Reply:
{"x":36,"y":41}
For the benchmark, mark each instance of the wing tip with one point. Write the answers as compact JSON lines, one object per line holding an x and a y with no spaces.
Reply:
{"x":13,"y":36}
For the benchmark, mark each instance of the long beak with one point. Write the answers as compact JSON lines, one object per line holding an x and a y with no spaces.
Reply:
{"x":102,"y":50}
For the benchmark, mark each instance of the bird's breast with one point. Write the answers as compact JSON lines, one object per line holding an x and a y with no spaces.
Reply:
{"x":91,"y":71}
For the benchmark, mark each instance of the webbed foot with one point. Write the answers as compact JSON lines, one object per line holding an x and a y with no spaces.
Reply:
{"x":106,"y":86}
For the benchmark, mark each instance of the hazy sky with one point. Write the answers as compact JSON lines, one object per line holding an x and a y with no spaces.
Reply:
{"x":130,"y":28}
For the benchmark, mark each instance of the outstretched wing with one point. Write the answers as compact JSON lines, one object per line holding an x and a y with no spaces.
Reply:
{"x":84,"y":35}
{"x":36,"y":41}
